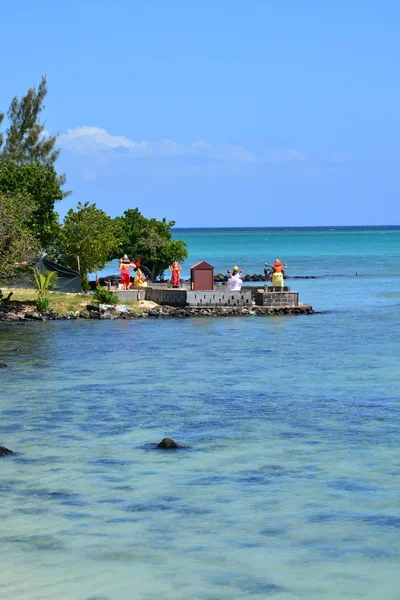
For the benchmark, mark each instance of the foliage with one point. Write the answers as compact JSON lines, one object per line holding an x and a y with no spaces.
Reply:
{"x":43,"y":282}
{"x":37,"y":188}
{"x":42,"y":303}
{"x":87,"y":233}
{"x":103,"y":296}
{"x":26,"y":139}
{"x":17,"y":242}
{"x":151,"y":240}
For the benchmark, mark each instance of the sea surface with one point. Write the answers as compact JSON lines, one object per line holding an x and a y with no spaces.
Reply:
{"x":288,"y":485}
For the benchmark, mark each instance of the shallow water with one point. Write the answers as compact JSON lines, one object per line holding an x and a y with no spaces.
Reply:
{"x":288,"y":485}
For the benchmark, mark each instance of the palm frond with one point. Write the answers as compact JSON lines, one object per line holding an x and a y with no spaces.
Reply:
{"x":43,"y":282}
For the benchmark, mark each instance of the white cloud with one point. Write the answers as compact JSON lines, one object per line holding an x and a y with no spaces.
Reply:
{"x":95,"y":141}
{"x":284,"y":156}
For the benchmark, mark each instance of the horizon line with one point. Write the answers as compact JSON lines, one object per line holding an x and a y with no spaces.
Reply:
{"x":283,"y":226}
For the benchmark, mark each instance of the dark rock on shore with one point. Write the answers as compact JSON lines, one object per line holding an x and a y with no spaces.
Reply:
{"x":168,"y":444}
{"x":33,"y":315}
{"x":4,"y":451}
{"x":224,"y":311}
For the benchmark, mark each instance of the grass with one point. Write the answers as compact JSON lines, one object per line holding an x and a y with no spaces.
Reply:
{"x":61,"y":303}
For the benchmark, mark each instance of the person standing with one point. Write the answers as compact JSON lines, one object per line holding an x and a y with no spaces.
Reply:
{"x":277,"y":273}
{"x":175,"y":269}
{"x":235,"y":280}
{"x":125,"y":269}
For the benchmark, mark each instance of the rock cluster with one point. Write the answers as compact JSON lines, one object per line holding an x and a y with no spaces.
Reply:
{"x":224,"y":311}
{"x":15,"y":312}
{"x":109,"y":313}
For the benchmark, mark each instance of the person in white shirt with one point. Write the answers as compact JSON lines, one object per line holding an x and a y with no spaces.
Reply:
{"x":235,"y":280}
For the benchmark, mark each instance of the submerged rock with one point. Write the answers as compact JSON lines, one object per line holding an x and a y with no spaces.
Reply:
{"x":4,"y":451}
{"x":168,"y":443}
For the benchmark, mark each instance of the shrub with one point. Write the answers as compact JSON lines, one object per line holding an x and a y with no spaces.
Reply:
{"x":43,"y":282}
{"x":42,"y":304}
{"x":103,"y":296}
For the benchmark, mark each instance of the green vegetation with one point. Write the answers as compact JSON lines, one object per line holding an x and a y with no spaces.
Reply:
{"x":42,"y":303}
{"x":27,"y":157}
{"x":151,"y":240}
{"x":103,"y":296}
{"x":16,"y":240}
{"x":26,"y":141}
{"x":88,"y":237}
{"x":37,"y":188}
{"x":43,"y":284}
{"x":87,"y":233}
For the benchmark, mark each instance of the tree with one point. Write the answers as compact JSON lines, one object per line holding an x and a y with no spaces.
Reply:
{"x":26,"y":139}
{"x":1,"y":135}
{"x":151,"y":240}
{"x":17,"y":242}
{"x":37,"y":188}
{"x":87,"y":240}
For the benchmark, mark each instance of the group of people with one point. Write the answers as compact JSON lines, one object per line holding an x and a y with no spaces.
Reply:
{"x":234,"y":283}
{"x":276,"y":274}
{"x":125,"y":266}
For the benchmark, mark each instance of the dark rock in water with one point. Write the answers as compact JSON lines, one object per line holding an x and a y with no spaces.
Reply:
{"x":167,"y":443}
{"x":4,"y":451}
{"x":2,"y":365}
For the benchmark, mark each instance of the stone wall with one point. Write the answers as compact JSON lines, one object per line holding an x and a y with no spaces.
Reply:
{"x":166,"y":296}
{"x":181,"y":297}
{"x":218,"y":298}
{"x":205,"y":298}
{"x":277,"y":299}
{"x":134,"y":295}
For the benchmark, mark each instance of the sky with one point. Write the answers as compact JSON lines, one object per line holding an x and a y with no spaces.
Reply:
{"x":218,"y":112}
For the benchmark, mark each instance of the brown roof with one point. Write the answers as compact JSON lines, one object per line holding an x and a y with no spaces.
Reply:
{"x":202,"y":265}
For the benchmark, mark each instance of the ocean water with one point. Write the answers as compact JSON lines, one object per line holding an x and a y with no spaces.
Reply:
{"x":288,"y":484}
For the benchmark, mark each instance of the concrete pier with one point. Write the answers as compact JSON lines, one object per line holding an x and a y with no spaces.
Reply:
{"x":220,"y":296}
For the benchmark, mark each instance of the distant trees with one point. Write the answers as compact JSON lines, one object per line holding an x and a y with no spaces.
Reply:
{"x":87,"y":239}
{"x":149,"y":239}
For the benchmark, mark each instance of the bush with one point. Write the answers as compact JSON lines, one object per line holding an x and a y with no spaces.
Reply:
{"x":42,"y":304}
{"x":103,"y":296}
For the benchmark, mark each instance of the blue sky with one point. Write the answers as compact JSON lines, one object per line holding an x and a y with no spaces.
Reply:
{"x":218,"y":113}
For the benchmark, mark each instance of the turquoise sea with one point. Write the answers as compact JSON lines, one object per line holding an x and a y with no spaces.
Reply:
{"x":289,"y":483}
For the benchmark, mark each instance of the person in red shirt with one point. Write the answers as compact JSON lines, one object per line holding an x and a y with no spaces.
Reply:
{"x":175,"y":269}
{"x":125,"y":267}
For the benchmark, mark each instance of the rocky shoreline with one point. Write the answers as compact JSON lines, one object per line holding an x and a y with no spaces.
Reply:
{"x":13,"y":312}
